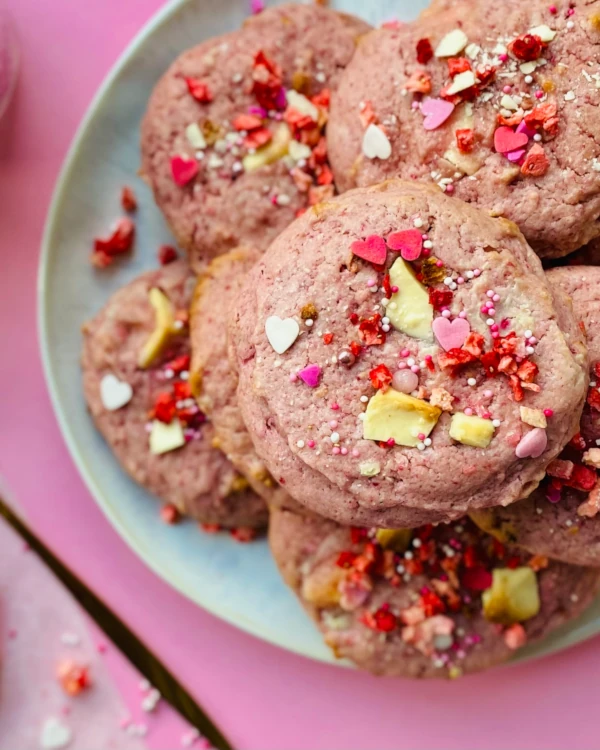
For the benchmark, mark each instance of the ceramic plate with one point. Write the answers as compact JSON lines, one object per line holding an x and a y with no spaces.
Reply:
{"x":236,"y":582}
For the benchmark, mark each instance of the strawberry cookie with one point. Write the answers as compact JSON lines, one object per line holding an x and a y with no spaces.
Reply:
{"x":233,"y":140}
{"x":496,"y":102}
{"x":433,"y":602}
{"x":560,"y":519}
{"x":212,"y":378}
{"x":136,"y":358}
{"x":386,"y":345}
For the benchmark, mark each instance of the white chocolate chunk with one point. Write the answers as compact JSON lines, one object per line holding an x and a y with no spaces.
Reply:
{"x":299,"y":151}
{"x":545,"y":33}
{"x":466,"y":163}
{"x":301,"y":104}
{"x":164,"y":327}
{"x":528,"y":67}
{"x":396,"y":539}
{"x":513,"y":596}
{"x":409,"y":309}
{"x":271,"y":152}
{"x":166,"y":437}
{"x":195,"y":136}
{"x":453,"y":43}
{"x":396,"y":415}
{"x":369,"y":468}
{"x":592,"y":457}
{"x":473,"y":431}
{"x":462,"y":81}
{"x":533,"y":417}
{"x":509,"y":103}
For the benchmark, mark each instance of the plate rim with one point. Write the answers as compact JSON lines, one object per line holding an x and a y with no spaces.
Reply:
{"x":158,"y":19}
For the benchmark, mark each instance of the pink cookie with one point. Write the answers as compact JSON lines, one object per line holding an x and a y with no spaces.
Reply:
{"x":461,"y":117}
{"x":390,"y":462}
{"x":222,"y":105}
{"x":196,"y":477}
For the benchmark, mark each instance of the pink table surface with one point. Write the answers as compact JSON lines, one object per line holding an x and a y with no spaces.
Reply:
{"x":262,"y":697}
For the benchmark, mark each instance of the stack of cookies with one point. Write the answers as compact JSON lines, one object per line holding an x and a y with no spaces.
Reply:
{"x":363,"y":349}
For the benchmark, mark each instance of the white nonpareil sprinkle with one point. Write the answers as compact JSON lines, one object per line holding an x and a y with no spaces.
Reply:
{"x":472,"y":382}
{"x":300,"y":443}
{"x":364,"y":399}
{"x":570,"y":96}
{"x":309,"y":322}
{"x":418,"y":222}
{"x":335,"y":437}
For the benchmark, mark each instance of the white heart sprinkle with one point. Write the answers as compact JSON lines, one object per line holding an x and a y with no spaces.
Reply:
{"x":281,"y":333}
{"x":114,"y":393}
{"x":453,"y":43}
{"x":376,"y":144}
{"x":54,"y":735}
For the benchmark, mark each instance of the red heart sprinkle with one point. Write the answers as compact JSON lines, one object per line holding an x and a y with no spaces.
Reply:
{"x":373,"y":249}
{"x":183,"y":170}
{"x":409,"y":243}
{"x":505,"y":140}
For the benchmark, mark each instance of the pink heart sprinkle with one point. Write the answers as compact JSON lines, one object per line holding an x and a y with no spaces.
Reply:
{"x":436,"y":112}
{"x":183,"y":170}
{"x":451,"y":334}
{"x":505,"y":140}
{"x":310,"y":375}
{"x":372,"y":249}
{"x":515,"y":156}
{"x":533,"y":444}
{"x":409,"y":242}
{"x":523,"y":127}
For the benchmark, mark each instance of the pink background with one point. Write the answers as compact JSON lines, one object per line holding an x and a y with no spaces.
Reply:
{"x":262,"y":697}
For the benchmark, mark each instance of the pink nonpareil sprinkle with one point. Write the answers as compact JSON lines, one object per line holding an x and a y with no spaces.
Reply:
{"x":344,"y":451}
{"x":405,"y":353}
{"x":335,"y":407}
{"x":310,"y":375}
{"x":449,"y":189}
{"x":539,"y":94}
{"x":469,"y":412}
{"x":293,"y":377}
{"x":311,"y":443}
{"x":553,"y":9}
{"x":548,"y":412}
{"x":336,"y":451}
{"x":503,"y":57}
{"x":333,"y":424}
{"x":355,"y":452}
{"x":257,"y":6}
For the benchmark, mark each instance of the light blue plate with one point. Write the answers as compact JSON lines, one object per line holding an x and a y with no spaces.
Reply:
{"x":236,"y":582}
